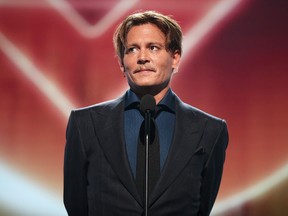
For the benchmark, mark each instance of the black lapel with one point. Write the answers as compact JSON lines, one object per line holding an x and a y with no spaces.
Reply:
{"x":188,"y":131}
{"x":109,"y":125}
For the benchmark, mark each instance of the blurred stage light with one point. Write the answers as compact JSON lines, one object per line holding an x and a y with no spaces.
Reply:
{"x":22,"y":196}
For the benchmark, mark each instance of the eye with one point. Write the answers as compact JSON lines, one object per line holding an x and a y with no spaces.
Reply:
{"x":131,"y":50}
{"x":154,"y":48}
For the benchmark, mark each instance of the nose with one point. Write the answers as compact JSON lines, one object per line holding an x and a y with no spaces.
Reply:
{"x":142,"y":58}
{"x":142,"y":61}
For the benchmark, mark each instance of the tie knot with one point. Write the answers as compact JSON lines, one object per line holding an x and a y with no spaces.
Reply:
{"x":158,"y":109}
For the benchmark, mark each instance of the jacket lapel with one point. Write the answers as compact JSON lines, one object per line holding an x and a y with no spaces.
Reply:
{"x":109,"y":125}
{"x":188,"y":131}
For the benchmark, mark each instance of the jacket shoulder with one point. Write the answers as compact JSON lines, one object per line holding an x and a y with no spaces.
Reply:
{"x":99,"y":107}
{"x":81,"y":118}
{"x":214,"y":124}
{"x":198,"y":113}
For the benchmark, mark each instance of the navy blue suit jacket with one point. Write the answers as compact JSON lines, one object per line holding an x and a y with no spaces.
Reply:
{"x":98,"y":180}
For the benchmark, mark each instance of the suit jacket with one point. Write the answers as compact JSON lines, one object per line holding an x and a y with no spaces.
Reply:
{"x":97,"y":176}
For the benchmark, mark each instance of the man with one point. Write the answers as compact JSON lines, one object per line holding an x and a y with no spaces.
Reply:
{"x":101,"y":164}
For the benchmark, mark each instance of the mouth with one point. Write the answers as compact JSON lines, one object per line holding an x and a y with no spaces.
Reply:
{"x":139,"y":70}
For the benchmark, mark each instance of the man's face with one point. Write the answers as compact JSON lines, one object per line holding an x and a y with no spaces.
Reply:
{"x":146,"y":62}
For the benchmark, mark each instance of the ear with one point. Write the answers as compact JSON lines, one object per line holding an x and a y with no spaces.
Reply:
{"x":176,"y":61}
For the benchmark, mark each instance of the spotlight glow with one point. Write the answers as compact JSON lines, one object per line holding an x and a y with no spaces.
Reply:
{"x":21,"y":195}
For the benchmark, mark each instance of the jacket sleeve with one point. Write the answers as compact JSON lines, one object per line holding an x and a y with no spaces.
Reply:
{"x":213,"y":171}
{"x":75,"y":166}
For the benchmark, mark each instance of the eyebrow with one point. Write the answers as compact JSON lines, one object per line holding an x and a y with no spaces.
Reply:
{"x":149,"y":44}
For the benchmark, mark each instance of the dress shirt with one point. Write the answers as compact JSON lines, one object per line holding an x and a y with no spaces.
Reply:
{"x":133,"y":119}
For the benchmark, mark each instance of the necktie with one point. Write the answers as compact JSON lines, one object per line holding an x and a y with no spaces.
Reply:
{"x":154,"y":159}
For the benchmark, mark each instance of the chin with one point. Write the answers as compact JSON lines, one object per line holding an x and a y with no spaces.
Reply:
{"x":145,"y":84}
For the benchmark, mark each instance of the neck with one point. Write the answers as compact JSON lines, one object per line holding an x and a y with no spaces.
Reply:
{"x":158,"y":95}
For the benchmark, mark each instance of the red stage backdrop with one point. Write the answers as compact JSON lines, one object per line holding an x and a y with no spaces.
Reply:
{"x":56,"y":55}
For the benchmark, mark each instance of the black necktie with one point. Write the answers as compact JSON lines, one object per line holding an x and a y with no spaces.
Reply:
{"x":154,"y":159}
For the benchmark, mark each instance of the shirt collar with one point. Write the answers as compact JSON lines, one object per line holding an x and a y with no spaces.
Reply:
{"x":131,"y":98}
{"x":168,"y":102}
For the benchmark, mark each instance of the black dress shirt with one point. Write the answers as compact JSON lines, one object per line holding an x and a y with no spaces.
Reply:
{"x":165,"y":122}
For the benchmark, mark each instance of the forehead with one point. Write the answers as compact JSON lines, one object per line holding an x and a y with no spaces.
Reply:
{"x":145,"y":33}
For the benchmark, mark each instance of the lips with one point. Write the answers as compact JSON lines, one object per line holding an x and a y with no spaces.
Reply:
{"x":144,"y":70}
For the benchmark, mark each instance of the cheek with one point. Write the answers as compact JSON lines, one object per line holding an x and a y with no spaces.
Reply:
{"x":165,"y":63}
{"x":166,"y":69}
{"x":127,"y":68}
{"x":129,"y":62}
